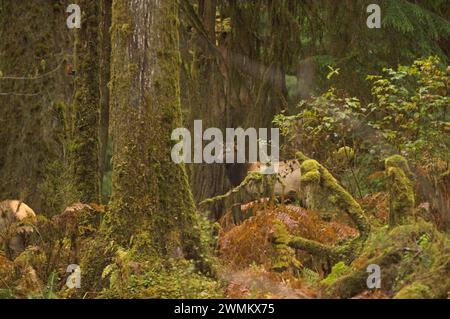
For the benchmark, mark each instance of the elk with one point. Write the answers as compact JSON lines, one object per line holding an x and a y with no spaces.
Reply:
{"x":14,"y":229}
{"x":287,"y":181}
{"x":283,"y":176}
{"x":286,"y":185}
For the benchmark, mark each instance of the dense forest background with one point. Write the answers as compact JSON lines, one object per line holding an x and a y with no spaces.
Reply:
{"x":85,"y":126}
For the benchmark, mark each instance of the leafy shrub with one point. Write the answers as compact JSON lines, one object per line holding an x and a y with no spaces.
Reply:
{"x":323,"y":125}
{"x":410,"y":109}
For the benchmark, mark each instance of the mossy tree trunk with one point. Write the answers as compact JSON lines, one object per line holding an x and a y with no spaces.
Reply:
{"x":150,"y":193}
{"x":400,"y":189}
{"x":105,"y":61}
{"x":84,"y":144}
{"x":34,"y":92}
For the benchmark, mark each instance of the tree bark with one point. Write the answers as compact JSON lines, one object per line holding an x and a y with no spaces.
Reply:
{"x":85,"y":126}
{"x":204,"y":99}
{"x":150,"y":193}
{"x":105,"y":73}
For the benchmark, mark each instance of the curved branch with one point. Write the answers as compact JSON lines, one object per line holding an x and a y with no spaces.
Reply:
{"x":31,"y":77}
{"x":253,"y":176}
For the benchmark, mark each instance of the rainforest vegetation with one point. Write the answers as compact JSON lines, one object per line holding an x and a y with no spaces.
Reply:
{"x":93,"y":206}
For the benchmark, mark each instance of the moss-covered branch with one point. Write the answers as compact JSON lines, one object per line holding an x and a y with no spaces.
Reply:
{"x":252,"y":176}
{"x":326,"y":187}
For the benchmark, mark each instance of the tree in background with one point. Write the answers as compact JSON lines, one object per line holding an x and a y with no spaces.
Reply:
{"x":255,"y":59}
{"x":233,"y":72}
{"x":335,"y":33}
{"x":34,"y":94}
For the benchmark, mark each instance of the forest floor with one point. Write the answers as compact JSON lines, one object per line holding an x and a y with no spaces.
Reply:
{"x":414,"y":259}
{"x":250,"y":260}
{"x":248,"y":255}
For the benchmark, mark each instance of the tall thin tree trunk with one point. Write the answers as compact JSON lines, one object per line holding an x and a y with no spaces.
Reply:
{"x":85,"y":126}
{"x":105,"y":60}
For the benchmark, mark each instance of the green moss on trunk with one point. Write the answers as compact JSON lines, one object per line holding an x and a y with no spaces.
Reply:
{"x":150,"y":192}
{"x":400,"y":189}
{"x":105,"y":75}
{"x":84,"y":150}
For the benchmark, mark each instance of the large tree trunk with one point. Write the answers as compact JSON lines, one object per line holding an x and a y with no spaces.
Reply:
{"x":150,"y":193}
{"x":34,"y":92}
{"x":85,"y":126}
